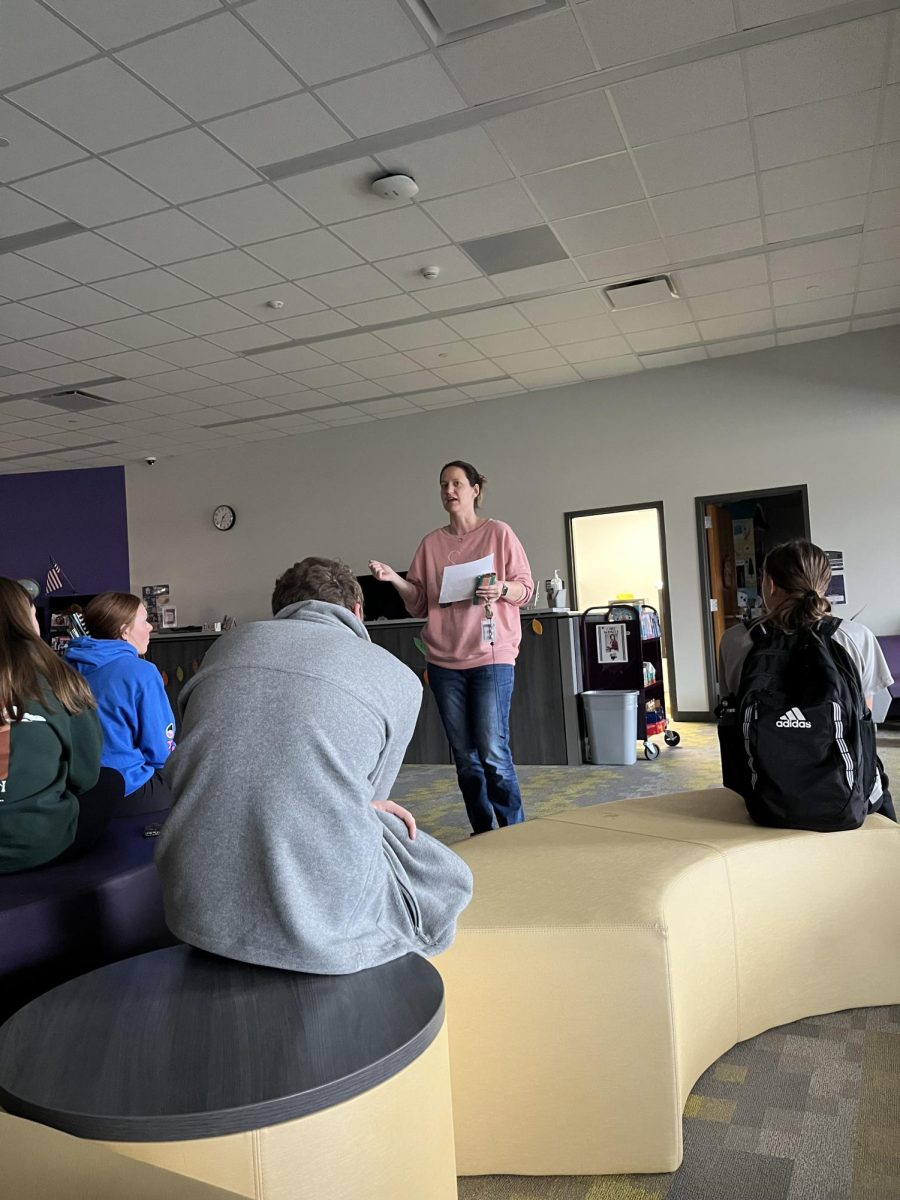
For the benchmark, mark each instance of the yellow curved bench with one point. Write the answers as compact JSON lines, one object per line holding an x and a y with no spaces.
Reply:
{"x":611,"y":954}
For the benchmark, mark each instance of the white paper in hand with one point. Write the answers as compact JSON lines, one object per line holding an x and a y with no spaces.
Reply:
{"x":459,"y":580}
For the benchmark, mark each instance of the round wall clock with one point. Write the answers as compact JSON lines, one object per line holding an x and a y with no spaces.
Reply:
{"x":223,"y":517}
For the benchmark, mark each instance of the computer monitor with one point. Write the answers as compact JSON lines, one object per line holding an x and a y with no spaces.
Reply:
{"x":380,"y":600}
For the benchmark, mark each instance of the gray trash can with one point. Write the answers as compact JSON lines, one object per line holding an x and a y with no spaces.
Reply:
{"x":611,"y":719}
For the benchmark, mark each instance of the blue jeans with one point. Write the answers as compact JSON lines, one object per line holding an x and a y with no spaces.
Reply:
{"x":474,"y":707}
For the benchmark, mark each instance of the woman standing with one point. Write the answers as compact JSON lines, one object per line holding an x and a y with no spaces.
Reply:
{"x":137,"y":719}
{"x":471,"y":648}
{"x":49,"y":746}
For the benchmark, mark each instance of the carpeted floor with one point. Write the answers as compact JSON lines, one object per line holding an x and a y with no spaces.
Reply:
{"x":809,"y":1111}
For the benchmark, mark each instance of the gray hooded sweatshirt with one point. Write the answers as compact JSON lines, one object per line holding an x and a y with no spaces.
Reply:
{"x":272,"y":853}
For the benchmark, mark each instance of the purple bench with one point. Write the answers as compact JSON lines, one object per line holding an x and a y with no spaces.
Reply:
{"x":60,"y":921}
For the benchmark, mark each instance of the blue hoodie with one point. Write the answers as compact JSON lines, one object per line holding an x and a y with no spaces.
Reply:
{"x":134,"y":711}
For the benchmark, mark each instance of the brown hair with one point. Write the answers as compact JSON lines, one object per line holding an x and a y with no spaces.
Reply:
{"x":109,"y":613}
{"x":803,"y":573}
{"x":475,"y":478}
{"x":28,"y":667}
{"x":326,"y":579}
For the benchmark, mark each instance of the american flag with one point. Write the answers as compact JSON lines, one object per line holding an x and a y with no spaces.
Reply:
{"x":54,"y":578}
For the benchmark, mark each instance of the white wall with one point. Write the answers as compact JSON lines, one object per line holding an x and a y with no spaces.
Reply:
{"x":617,"y":554}
{"x":824,"y":413}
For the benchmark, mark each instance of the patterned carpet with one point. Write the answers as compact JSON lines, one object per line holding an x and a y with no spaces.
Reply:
{"x":809,"y":1111}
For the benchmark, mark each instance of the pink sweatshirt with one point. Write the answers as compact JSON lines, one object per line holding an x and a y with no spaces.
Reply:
{"x":452,"y":635}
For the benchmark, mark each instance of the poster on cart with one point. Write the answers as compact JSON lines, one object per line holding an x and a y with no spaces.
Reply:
{"x":612,"y":646}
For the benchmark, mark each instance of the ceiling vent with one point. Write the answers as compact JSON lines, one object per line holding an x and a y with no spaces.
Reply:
{"x":73,"y":401}
{"x":637,"y":292}
{"x":451,"y":20}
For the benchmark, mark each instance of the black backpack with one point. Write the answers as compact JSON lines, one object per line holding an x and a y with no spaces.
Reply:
{"x":797,"y":740}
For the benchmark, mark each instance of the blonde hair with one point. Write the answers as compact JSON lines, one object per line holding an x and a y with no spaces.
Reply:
{"x":28,"y":667}
{"x":109,"y":613}
{"x":802,"y":571}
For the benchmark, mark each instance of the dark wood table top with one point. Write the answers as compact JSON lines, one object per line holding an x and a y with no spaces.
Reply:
{"x":178,"y":1044}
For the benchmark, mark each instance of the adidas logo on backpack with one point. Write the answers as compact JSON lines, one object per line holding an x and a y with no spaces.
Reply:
{"x":793,"y":719}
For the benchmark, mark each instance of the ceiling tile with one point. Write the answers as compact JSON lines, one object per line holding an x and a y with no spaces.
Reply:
{"x":151,"y":290}
{"x":705,"y":207}
{"x":317,"y":324}
{"x":255,"y":302}
{"x":699,"y":158}
{"x":254,"y":214}
{"x":206,"y":316}
{"x":814,"y":287}
{"x":35,"y":42}
{"x":816,"y":182}
{"x":708,"y":243}
{"x":475,"y":372}
{"x":406,"y":270}
{"x":32,"y":146}
{"x":663,"y":339}
{"x":813,"y":311}
{"x":337,"y":193}
{"x":388,"y":308}
{"x":22,"y":357}
{"x":485,"y":211}
{"x":879,"y":299}
{"x":21,"y":215}
{"x":184,"y":166}
{"x":420,"y":334}
{"x":646,"y":28}
{"x":335,"y":37}
{"x":133,"y":363}
{"x":229,"y":271}
{"x":884,"y":209}
{"x":77,"y":343}
{"x":213,"y":397}
{"x":682,"y":100}
{"x":876,"y":322}
{"x":584,"y":329}
{"x":516,"y":342}
{"x":446,"y":355}
{"x":245,"y":409}
{"x":817,"y":218}
{"x":519,"y":58}
{"x":543,"y":277}
{"x":674,"y":358}
{"x":305,"y":254}
{"x":594,"y":348}
{"x":721,"y":277}
{"x":353,"y":285}
{"x":174,"y":381}
{"x":553,"y":135}
{"x":99,"y":105}
{"x":214,"y":66}
{"x":22,"y":278}
{"x":871,"y":275}
{"x":80,"y":306}
{"x":513,"y":364}
{"x":486,"y":321}
{"x":652,"y":316}
{"x":586,"y":187}
{"x":280,"y":130}
{"x":890,"y":117}
{"x":392,"y":97}
{"x":719,"y":328}
{"x":816,"y":66}
{"x":887,"y":167}
{"x":292,"y":358}
{"x":642,"y":259}
{"x":391,"y":233}
{"x":812,"y":333}
{"x":445,"y":398}
{"x":571,"y":307}
{"x":816,"y":130}
{"x":383,"y":366}
{"x":86,"y":257}
{"x":411,"y":381}
{"x":548,"y":378}
{"x":138,"y":332}
{"x":354,"y":346}
{"x":825,"y":255}
{"x":189,"y":352}
{"x":18,"y":321}
{"x":328,"y":377}
{"x":91,"y":193}
{"x":459,"y":295}
{"x":251,"y":337}
{"x":165,"y":237}
{"x":880,"y":244}
{"x":453,"y":162}
{"x":115,"y":22}
{"x":390,"y":406}
{"x":269,"y":385}
{"x":724,"y":304}
{"x":232,"y":370}
{"x":628,"y":225}
{"x":495,"y":387}
{"x":765,"y":12}
{"x":608,"y":368}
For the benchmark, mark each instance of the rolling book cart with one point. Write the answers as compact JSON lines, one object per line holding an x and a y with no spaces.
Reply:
{"x":622,"y":650}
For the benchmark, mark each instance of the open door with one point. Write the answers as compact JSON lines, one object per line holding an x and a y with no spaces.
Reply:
{"x":720,"y":555}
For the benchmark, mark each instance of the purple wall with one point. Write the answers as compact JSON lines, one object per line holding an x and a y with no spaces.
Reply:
{"x":79,"y":517}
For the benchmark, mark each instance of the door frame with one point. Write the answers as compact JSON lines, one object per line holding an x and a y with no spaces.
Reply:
{"x":665,"y":615}
{"x":700,"y":503}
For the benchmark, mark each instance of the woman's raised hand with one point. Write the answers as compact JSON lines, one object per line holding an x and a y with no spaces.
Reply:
{"x":382,"y":572}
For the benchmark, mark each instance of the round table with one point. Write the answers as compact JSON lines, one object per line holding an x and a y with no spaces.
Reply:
{"x":271,"y":1083}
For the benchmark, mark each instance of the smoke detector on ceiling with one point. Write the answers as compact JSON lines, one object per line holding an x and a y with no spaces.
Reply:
{"x":395,"y":187}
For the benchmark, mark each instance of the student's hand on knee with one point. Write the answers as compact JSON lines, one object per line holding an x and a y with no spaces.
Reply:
{"x":396,"y":810}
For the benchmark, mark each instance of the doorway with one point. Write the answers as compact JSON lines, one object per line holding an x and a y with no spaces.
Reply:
{"x":620,"y":554}
{"x":735,"y":533}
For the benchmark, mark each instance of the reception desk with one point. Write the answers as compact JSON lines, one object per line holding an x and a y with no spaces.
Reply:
{"x":544,"y":719}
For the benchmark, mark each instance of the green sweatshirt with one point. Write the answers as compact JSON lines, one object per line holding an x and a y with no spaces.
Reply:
{"x":46,"y":760}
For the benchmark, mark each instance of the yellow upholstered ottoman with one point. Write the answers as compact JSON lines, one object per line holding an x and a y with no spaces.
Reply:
{"x":612,"y":953}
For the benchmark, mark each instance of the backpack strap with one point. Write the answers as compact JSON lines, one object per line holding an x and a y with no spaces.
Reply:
{"x":828,"y":626}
